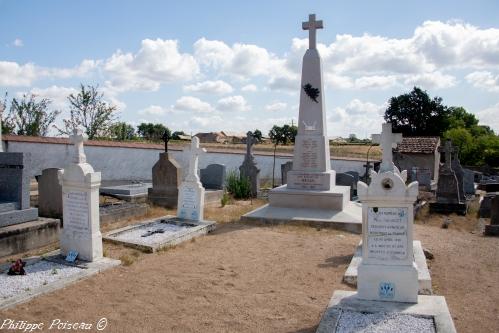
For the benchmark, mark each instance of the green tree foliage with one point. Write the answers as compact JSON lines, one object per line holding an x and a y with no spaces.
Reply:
{"x":257,"y":134}
{"x":122,"y":131}
{"x":89,"y":110}
{"x":30,"y":116}
{"x":176,"y":135}
{"x":7,"y":122}
{"x":151,"y":132}
{"x":416,"y":114}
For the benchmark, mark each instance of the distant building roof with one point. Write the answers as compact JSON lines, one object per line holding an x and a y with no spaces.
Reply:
{"x":418,"y":144}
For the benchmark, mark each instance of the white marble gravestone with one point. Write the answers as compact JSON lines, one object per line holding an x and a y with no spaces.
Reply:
{"x":80,"y":202}
{"x":387,"y":141}
{"x":387,"y":271}
{"x":191,"y":193}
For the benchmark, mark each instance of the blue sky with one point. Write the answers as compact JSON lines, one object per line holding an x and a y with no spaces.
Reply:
{"x":234,"y":66}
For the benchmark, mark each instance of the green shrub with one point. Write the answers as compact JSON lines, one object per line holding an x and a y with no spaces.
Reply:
{"x":238,"y":186}
{"x":225,"y":199}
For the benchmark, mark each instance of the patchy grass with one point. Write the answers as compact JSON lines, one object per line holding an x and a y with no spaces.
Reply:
{"x":232,"y":211}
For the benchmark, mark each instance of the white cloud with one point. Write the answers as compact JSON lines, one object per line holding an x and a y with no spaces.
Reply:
{"x":158,"y":61}
{"x":249,"y":88}
{"x":58,"y":95}
{"x":433,"y":80}
{"x":210,"y":87}
{"x":484,"y":80}
{"x":376,"y":81}
{"x":233,"y":104}
{"x":363,"y":118}
{"x":18,"y":42}
{"x":189,"y":103}
{"x":12,"y":74}
{"x":154,"y":110}
{"x":489,"y":117}
{"x":275,"y":106}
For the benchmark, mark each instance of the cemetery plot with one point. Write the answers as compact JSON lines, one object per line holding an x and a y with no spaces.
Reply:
{"x":45,"y":274}
{"x":156,"y":234}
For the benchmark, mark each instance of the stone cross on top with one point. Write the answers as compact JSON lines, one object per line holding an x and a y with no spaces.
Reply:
{"x":250,"y":141}
{"x":387,"y":141}
{"x":77,"y":139}
{"x":194,"y":151}
{"x":448,"y":149}
{"x":312,"y":25}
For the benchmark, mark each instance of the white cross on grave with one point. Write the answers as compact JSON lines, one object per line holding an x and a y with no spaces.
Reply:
{"x":312,"y":25}
{"x":77,"y":139}
{"x":194,"y":152}
{"x":387,"y":141}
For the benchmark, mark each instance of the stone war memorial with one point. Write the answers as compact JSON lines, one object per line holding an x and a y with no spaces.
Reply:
{"x":311,"y":195}
{"x":153,"y":235}
{"x":387,"y":283}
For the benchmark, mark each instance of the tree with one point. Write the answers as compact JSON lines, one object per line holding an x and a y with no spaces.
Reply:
{"x":257,"y":134}
{"x":151,"y":132}
{"x":465,"y":142}
{"x":88,"y":110}
{"x":30,"y":116}
{"x":416,"y":114}
{"x":122,"y":131}
{"x":176,"y":135}
{"x":278,"y":135}
{"x":7,"y":123}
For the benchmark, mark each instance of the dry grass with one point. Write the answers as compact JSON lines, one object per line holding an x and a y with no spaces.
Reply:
{"x":232,"y":211}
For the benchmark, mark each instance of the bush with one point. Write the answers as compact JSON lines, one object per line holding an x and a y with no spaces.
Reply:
{"x":238,"y":186}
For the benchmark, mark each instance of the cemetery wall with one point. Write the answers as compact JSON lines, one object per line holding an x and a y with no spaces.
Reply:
{"x":134,"y":161}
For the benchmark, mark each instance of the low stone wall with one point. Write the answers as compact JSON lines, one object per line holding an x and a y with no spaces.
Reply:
{"x":134,"y":161}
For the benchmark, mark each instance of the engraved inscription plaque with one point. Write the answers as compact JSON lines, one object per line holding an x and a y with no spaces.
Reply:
{"x":387,"y":233}
{"x":76,"y":211}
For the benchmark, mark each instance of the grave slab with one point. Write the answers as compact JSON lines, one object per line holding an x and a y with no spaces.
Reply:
{"x":424,"y":278}
{"x":135,"y":192}
{"x":40,"y":279}
{"x":345,"y":302}
{"x":159,"y":233}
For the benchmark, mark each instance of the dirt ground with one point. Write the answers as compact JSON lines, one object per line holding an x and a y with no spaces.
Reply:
{"x":244,"y":278}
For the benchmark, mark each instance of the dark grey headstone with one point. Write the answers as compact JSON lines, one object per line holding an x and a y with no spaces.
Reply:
{"x":344,"y":179}
{"x":250,"y":170}
{"x":49,"y":194}
{"x":213,"y":176}
{"x":14,"y":189}
{"x":285,"y":168}
{"x":469,"y":182}
{"x":166,"y":177}
{"x":493,"y":228}
{"x":485,"y":205}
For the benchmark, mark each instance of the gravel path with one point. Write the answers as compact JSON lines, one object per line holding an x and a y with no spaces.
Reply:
{"x":37,"y":274}
{"x":135,"y":234}
{"x":356,"y":322}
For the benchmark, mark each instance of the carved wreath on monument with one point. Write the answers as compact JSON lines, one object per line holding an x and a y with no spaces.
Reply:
{"x":312,"y":92}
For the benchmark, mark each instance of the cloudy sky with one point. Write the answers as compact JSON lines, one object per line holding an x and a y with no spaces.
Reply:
{"x":235,"y":65}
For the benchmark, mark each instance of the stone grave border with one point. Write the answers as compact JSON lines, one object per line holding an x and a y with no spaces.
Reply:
{"x":202,"y":228}
{"x":428,"y":306}
{"x":87,"y":270}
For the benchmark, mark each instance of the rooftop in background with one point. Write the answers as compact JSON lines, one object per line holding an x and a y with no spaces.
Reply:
{"x":418,"y":144}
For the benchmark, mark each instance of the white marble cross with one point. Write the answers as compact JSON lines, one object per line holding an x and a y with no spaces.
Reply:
{"x":77,"y":139}
{"x":312,"y":25}
{"x":1,"y":111}
{"x":194,"y":153}
{"x":387,"y":141}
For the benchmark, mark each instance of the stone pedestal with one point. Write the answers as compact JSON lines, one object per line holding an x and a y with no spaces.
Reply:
{"x":166,"y":177}
{"x":387,"y":271}
{"x":80,"y":200}
{"x":49,"y":194}
{"x":493,"y":228}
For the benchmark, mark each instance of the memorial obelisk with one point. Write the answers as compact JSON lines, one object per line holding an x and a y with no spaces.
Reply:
{"x":311,"y":194}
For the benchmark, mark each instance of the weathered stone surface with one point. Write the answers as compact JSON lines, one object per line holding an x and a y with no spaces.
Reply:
{"x":166,"y":178}
{"x":15,"y":179}
{"x":213,"y":176}
{"x":485,"y":205}
{"x":344,"y":179}
{"x":493,"y":228}
{"x":49,"y":194}
{"x":469,"y":181}
{"x":458,"y":170}
{"x":422,"y":176}
{"x":249,"y":167}
{"x":285,"y":168}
